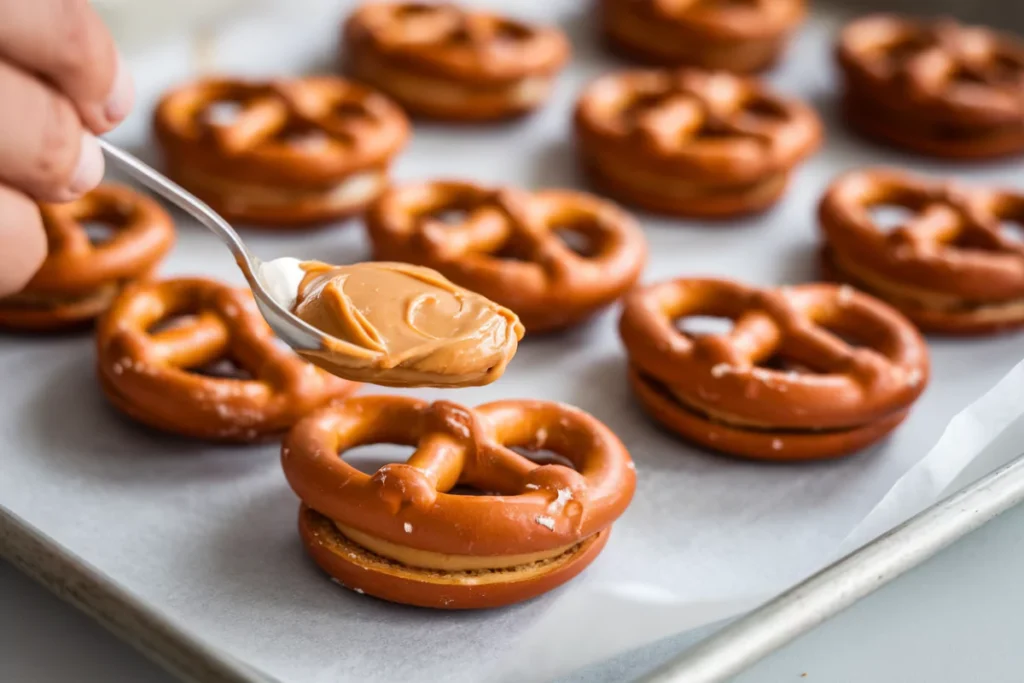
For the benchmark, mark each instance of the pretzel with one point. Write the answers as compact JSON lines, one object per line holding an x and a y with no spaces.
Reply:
{"x":283,"y":152}
{"x":79,"y":278}
{"x":782,"y":384}
{"x":691,"y":142}
{"x":949,"y":267}
{"x":934,"y":87}
{"x":444,"y":62}
{"x":741,"y":37}
{"x":507,"y":247}
{"x":167,"y":378}
{"x":405,"y":533}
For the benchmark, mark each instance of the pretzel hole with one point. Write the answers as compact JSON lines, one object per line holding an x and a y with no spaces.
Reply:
{"x":347,"y":110}
{"x":543,"y":456}
{"x":451,"y":217}
{"x":371,"y":457}
{"x":704,"y":325}
{"x":764,"y":108}
{"x":781,"y":363}
{"x":303,"y":138}
{"x":413,"y":9}
{"x":1012,"y":230}
{"x":577,"y":240}
{"x":511,"y":32}
{"x":222,"y":113}
{"x":98,"y":231}
{"x":172,"y":323}
{"x":222,"y":368}
{"x":888,"y":217}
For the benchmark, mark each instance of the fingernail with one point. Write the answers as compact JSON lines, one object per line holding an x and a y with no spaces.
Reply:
{"x":119,"y":104}
{"x":89,"y":170}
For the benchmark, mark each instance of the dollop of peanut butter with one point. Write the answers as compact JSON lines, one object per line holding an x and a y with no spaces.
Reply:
{"x":400,"y":325}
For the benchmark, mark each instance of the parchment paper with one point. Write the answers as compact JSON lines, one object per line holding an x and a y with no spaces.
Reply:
{"x":207,"y":535}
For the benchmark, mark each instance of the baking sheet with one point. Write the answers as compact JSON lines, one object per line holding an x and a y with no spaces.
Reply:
{"x":206,"y":536}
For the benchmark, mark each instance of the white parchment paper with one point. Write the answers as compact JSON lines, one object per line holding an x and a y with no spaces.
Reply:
{"x":207,"y":535}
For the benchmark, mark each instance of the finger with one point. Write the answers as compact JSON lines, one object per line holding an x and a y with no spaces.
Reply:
{"x":66,"y":43}
{"x":22,"y":240}
{"x":44,"y":150}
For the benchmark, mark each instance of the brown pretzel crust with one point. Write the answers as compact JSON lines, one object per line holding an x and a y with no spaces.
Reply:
{"x":748,"y":443}
{"x":148,"y":375}
{"x":721,"y":379}
{"x":534,"y":508}
{"x":692,"y":142}
{"x":731,"y":37}
{"x":949,"y":267}
{"x":287,"y":149}
{"x":444,"y":62}
{"x":78,"y":280}
{"x":505,"y":248}
{"x":364,"y":572}
{"x":934,"y":87}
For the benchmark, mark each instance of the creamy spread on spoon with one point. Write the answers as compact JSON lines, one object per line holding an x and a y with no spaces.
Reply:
{"x":396,"y":324}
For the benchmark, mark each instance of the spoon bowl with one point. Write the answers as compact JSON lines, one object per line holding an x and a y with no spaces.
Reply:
{"x":295,"y":332}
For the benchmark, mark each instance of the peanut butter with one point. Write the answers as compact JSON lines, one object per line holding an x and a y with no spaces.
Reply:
{"x":401,"y":325}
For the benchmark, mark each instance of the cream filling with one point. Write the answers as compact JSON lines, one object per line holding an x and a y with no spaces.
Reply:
{"x":425,"y":559}
{"x":358,"y":188}
{"x":525,"y":93}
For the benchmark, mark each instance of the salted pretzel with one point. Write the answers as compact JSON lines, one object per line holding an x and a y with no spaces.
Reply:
{"x":407,"y":534}
{"x":81,"y":274}
{"x":691,"y":142}
{"x":283,"y":152}
{"x":508,"y":246}
{"x":445,"y":62}
{"x":949,"y":267}
{"x":783,"y":384}
{"x":161,"y":349}
{"x":935,"y":87}
{"x":741,"y":37}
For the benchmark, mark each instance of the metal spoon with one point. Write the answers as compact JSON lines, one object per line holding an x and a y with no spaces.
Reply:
{"x":295,"y":332}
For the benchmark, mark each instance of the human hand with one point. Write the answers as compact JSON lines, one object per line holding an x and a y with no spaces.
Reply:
{"x":62,"y":82}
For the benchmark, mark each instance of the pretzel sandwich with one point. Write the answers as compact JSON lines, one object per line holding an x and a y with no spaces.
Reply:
{"x":81,"y":275}
{"x":783,"y":384}
{"x":935,"y":87}
{"x":160,"y":349}
{"x":444,"y":62}
{"x":741,"y":37}
{"x":949,"y":267}
{"x":406,"y":535}
{"x":513,"y":247}
{"x":692,"y":143}
{"x":280,"y":153}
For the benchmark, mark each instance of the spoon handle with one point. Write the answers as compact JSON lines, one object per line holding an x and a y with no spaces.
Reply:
{"x":184,"y":200}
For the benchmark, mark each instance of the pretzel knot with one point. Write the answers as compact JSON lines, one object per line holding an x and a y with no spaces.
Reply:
{"x":411,"y":515}
{"x":161,"y":352}
{"x":692,"y":142}
{"x":513,"y":247}
{"x":283,"y":151}
{"x":442,"y":61}
{"x":949,"y":266}
{"x":937,"y":87}
{"x":741,"y":37}
{"x":783,"y":382}
{"x":83,"y":273}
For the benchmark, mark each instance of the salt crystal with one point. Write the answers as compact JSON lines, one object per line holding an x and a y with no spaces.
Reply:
{"x":359,"y":590}
{"x":558,"y":504}
{"x":407,"y":527}
{"x":845,"y":295}
{"x":914,"y":377}
{"x":777,"y":444}
{"x":533,"y":487}
{"x":545,"y":521}
{"x":721,"y":370}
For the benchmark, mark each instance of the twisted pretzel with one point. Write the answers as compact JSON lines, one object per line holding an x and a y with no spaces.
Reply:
{"x":442,"y":61}
{"x":692,"y":142}
{"x":507,"y":246}
{"x":79,"y":278}
{"x":782,"y":383}
{"x":402,"y":534}
{"x":291,"y":151}
{"x":713,"y":34}
{"x":949,"y":267}
{"x":936,"y":87}
{"x":156,"y":377}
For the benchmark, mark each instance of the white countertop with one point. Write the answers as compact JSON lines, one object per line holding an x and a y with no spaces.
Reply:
{"x":956,"y":619}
